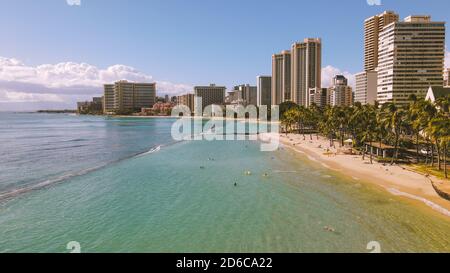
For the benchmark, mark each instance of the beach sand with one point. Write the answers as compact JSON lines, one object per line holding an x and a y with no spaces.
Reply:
{"x":396,"y":179}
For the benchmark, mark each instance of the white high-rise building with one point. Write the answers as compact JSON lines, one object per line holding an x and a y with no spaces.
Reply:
{"x":410,"y":59}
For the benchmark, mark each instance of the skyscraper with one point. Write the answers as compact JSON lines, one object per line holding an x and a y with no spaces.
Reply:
{"x":281,"y":77}
{"x":366,"y":87}
{"x":372,"y":28}
{"x":264,"y":90}
{"x":366,"y":82}
{"x":306,"y":68}
{"x":411,"y":58}
{"x":340,"y":93}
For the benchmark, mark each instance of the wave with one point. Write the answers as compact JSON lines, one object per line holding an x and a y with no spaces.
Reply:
{"x":4,"y":196}
{"x":151,"y":151}
{"x":50,"y":182}
{"x":434,"y":206}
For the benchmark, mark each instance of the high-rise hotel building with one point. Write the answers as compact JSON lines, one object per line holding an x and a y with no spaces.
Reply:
{"x":281,"y":77}
{"x":373,"y":26}
{"x":306,"y":69}
{"x":264,"y":91}
{"x":340,"y":93}
{"x":124,"y":96}
{"x":366,"y":81}
{"x":411,"y":58}
{"x":211,"y":95}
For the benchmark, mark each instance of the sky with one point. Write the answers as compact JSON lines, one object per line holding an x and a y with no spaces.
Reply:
{"x":56,"y":52}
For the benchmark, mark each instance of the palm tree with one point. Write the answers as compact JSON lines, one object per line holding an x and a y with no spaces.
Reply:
{"x":418,"y":118}
{"x":288,"y":120}
{"x":443,"y":104}
{"x":394,"y":118}
{"x":440,"y":129}
{"x":329,"y":123}
{"x":426,"y":112}
{"x":316,"y":116}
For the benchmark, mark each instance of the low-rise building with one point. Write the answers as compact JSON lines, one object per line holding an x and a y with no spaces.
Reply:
{"x":91,"y":107}
{"x":436,"y":92}
{"x":187,"y":100}
{"x":318,"y":96}
{"x":366,"y":87}
{"x":447,"y":77}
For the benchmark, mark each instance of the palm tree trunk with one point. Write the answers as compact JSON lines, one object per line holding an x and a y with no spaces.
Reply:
{"x":371,"y":162}
{"x":445,"y":160}
{"x":439,"y":155}
{"x":432,"y":154}
{"x":395,"y":155}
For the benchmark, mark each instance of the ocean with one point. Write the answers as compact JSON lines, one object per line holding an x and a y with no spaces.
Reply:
{"x":124,"y":185}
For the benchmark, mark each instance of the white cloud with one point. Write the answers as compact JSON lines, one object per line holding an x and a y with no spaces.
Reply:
{"x":68,"y":82}
{"x":73,"y":2}
{"x":11,"y":96}
{"x":329,"y":72}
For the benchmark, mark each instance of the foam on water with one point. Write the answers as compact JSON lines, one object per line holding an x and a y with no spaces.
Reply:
{"x":429,"y":203}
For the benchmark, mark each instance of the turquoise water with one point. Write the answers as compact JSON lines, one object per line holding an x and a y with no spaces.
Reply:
{"x":132,"y":201}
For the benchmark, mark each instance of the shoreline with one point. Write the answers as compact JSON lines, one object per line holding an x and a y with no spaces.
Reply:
{"x":396,"y":180}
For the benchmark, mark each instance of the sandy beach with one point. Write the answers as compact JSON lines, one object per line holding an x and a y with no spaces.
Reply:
{"x":396,"y":179}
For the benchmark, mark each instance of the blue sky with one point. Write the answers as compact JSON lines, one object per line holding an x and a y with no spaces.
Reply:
{"x":184,"y":42}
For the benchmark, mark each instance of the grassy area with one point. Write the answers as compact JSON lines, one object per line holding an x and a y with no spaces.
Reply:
{"x":426,"y":169}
